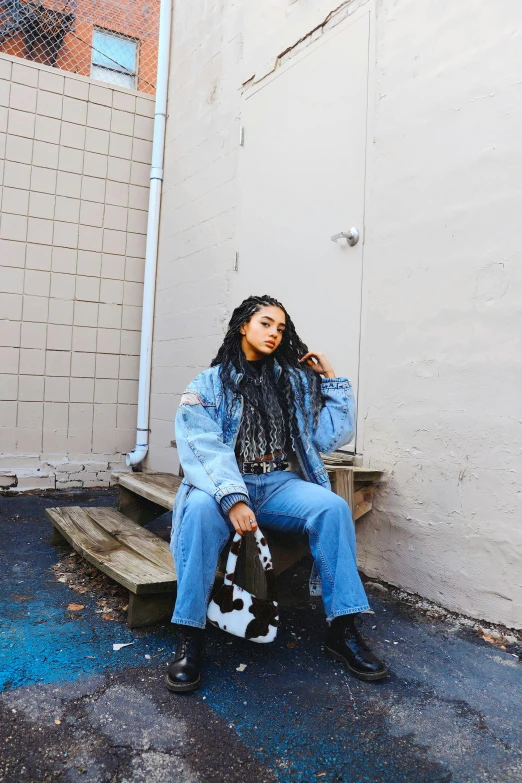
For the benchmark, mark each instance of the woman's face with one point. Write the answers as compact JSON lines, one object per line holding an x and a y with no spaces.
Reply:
{"x":262,"y":335}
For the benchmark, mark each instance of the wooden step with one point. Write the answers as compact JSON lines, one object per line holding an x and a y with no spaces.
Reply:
{"x":159,"y":488}
{"x":144,"y":496}
{"x":132,"y":556}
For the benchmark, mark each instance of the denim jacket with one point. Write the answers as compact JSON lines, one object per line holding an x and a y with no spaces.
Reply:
{"x":206,"y":435}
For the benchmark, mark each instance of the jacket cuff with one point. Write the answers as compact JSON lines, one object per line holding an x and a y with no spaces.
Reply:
{"x":228,"y":501}
{"x":335,"y":383}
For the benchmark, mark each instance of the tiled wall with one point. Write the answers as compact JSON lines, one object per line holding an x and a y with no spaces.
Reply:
{"x":74,"y":174}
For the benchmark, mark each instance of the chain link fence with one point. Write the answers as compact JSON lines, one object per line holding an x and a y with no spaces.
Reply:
{"x":114,"y":41}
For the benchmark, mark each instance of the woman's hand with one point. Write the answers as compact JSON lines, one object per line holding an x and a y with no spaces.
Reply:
{"x":319,"y":363}
{"x":243,"y":518}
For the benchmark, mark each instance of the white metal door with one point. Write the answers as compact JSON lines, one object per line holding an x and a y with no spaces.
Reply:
{"x":302,"y":176}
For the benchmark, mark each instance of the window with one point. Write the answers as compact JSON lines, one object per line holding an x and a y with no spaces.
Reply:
{"x":114,"y":58}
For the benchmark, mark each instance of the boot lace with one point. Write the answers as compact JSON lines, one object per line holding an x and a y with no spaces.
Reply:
{"x":187,"y":645}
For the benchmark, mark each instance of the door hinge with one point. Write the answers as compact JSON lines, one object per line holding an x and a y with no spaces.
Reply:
{"x":241,"y":135}
{"x":236,"y":261}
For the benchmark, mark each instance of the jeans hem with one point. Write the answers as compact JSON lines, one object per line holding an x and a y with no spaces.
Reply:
{"x":353,"y":610}
{"x":191,"y":623}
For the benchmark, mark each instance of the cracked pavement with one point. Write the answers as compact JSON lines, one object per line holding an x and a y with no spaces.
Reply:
{"x":72,"y":709}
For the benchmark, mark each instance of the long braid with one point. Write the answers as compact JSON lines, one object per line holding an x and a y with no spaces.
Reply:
{"x":279,"y":401}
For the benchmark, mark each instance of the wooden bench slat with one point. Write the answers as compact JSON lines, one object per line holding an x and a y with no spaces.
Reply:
{"x":359,"y":474}
{"x":111,"y":556}
{"x":136,"y":538}
{"x":160,"y":488}
{"x":362,"y":502}
{"x":338,"y":458}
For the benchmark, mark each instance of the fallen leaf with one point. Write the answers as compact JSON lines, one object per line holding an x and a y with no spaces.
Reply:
{"x":241,"y":667}
{"x":21,"y":598}
{"x":108,"y":617}
{"x":75,"y":607}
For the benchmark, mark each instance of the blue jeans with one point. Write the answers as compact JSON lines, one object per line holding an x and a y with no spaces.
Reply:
{"x":281,"y":501}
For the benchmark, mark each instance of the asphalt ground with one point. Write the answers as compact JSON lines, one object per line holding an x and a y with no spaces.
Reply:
{"x":72,"y":709}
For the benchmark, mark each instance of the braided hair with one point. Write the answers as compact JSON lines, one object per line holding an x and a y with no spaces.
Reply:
{"x":261,"y":392}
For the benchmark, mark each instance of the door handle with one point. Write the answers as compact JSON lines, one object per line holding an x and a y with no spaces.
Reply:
{"x":351,"y":236}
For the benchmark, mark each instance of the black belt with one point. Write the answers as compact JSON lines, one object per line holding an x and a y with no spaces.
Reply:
{"x":261,"y":467}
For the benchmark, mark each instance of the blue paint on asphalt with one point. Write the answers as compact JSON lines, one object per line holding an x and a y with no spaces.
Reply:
{"x":448,"y":710}
{"x":40,"y":641}
{"x":299,"y":713}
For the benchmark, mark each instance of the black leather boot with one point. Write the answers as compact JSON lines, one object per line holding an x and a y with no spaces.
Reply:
{"x":184,"y":673}
{"x":344,"y":643}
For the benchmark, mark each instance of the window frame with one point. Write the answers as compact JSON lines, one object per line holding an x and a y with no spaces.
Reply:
{"x":122,"y":71}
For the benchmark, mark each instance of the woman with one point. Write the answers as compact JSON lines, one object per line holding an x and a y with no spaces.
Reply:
{"x":260,"y":408}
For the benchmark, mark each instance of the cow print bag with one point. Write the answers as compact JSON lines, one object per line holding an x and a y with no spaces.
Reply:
{"x":239,"y":612}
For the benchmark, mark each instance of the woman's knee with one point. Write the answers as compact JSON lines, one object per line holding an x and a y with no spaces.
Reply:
{"x":200,"y":505}
{"x":336,"y":505}
{"x":334,"y":512}
{"x":199,"y":533}
{"x":202,"y":501}
{"x":330,"y":511}
{"x":202,"y":511}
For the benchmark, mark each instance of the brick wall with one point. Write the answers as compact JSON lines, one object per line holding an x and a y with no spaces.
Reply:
{"x":74,"y":173}
{"x":131,"y":19}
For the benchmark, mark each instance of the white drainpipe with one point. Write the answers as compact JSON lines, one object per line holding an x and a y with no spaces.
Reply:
{"x":151,"y":252}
